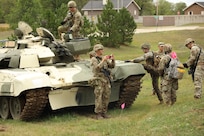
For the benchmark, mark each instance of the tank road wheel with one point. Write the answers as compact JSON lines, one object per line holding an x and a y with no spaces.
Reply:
{"x":4,"y":108}
{"x":129,"y":90}
{"x":16,"y":106}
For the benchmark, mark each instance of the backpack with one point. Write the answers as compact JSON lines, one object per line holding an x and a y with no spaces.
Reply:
{"x":175,"y":69}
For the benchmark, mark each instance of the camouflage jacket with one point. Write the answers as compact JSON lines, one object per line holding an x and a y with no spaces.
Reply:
{"x":74,"y":20}
{"x":98,"y":66}
{"x":194,"y":53}
{"x":151,"y":58}
{"x":161,"y":69}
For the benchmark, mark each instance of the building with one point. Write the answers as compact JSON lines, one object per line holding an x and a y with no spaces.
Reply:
{"x":196,"y":8}
{"x":95,"y":7}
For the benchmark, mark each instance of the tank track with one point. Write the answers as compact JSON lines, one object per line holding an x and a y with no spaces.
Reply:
{"x":35,"y":103}
{"x":129,"y":91}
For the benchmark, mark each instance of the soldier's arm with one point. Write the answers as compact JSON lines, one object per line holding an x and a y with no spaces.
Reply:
{"x":139,"y":59}
{"x":77,"y":22}
{"x":193,"y":54}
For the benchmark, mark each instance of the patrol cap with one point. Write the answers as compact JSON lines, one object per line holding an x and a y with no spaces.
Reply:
{"x":145,"y":46}
{"x":71,"y":4}
{"x":161,"y":43}
{"x":98,"y":47}
{"x":189,"y":40}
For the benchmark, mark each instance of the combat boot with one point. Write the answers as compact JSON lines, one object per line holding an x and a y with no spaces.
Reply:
{"x":99,"y":116}
{"x":104,"y":115}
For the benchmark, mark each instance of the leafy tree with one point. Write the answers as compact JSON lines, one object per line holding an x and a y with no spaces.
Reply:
{"x":179,"y":8}
{"x":165,"y":7}
{"x":5,"y":8}
{"x":24,"y":11}
{"x":126,"y":26}
{"x":147,"y":7}
{"x":88,"y":30}
{"x":107,"y":26}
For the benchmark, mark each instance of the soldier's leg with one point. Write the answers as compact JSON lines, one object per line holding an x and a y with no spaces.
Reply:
{"x":62,"y":29}
{"x":198,"y":82}
{"x":98,"y":99}
{"x":173,"y":91}
{"x":166,"y":91}
{"x":155,"y":82}
{"x":106,"y":97}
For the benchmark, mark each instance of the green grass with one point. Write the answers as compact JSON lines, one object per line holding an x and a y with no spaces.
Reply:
{"x":144,"y":118}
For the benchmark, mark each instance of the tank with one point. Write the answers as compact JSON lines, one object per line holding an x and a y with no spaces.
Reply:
{"x":40,"y":71}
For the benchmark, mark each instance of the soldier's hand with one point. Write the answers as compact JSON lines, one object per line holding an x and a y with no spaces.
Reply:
{"x":185,"y":65}
{"x":63,"y":22}
{"x":127,"y":61}
{"x":70,"y":31}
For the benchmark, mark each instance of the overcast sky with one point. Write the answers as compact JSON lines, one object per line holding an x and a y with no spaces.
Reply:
{"x":188,"y":2}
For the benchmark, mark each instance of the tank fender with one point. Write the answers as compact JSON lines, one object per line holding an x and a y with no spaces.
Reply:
{"x":14,"y":83}
{"x":124,"y":70}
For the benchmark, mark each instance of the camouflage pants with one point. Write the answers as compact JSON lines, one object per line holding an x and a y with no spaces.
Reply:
{"x":198,"y":79}
{"x":65,"y":28}
{"x":168,"y":88}
{"x":155,"y":84}
{"x":102,"y":95}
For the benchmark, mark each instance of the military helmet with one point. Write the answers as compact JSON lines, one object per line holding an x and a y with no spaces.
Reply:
{"x":98,"y":47}
{"x":167,"y":48}
{"x":161,"y":43}
{"x":92,"y":53}
{"x":189,"y":40}
{"x":71,"y":4}
{"x":145,"y":46}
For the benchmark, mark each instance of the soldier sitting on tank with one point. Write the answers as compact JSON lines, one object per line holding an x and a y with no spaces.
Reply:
{"x":72,"y":22}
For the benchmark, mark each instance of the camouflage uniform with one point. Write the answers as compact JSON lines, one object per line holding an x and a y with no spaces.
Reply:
{"x":152,"y":59}
{"x":168,"y":85}
{"x":102,"y":83}
{"x":199,"y":71}
{"x":73,"y":23}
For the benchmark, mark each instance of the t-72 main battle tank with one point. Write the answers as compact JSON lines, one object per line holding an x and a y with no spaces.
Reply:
{"x":39,"y":71}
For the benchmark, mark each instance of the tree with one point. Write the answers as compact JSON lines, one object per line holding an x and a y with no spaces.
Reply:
{"x":165,"y":8}
{"x":126,"y":26}
{"x":108,"y":26}
{"x":27,"y":11}
{"x":5,"y":8}
{"x":179,"y":8}
{"x":88,"y":30}
{"x":147,"y":7}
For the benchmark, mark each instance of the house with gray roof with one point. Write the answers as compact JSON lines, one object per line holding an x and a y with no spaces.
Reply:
{"x":196,"y":8}
{"x":95,"y":7}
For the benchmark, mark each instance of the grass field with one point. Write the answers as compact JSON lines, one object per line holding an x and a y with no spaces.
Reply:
{"x":144,"y":118}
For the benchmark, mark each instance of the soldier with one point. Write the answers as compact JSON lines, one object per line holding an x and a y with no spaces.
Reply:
{"x":101,"y":66}
{"x":196,"y":64}
{"x":168,"y":85}
{"x":72,"y":22}
{"x":152,"y":59}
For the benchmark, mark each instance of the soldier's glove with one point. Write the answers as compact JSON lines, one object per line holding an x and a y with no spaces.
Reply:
{"x":127,"y":61}
{"x":70,"y":32}
{"x":63,"y":22}
{"x":185,"y":65}
{"x":145,"y":66}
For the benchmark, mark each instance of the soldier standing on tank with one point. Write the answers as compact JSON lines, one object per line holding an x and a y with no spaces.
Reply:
{"x":151,"y":59}
{"x":169,"y":86}
{"x":101,"y":66}
{"x":196,"y":63}
{"x":72,"y":22}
